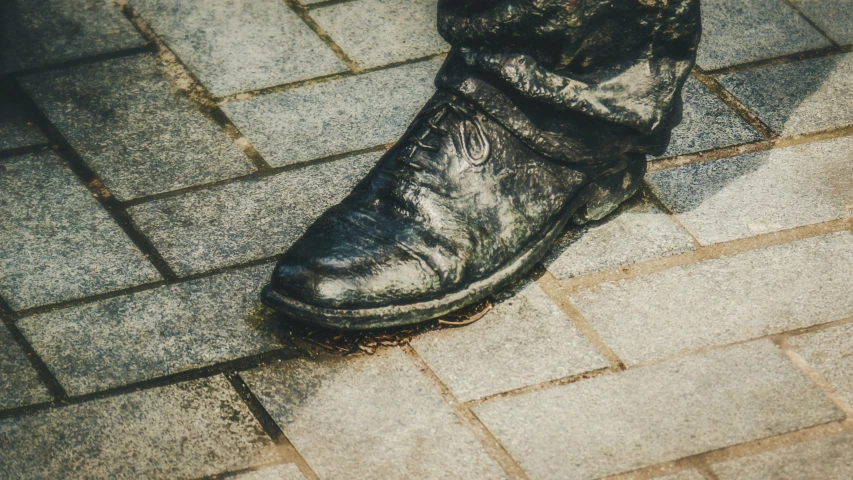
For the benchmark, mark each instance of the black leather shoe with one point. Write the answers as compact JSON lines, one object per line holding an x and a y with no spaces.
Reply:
{"x":458,"y":209}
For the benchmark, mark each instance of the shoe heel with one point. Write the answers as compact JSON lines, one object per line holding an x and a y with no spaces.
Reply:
{"x":604,"y":195}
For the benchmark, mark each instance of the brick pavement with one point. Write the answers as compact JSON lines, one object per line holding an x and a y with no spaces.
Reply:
{"x":155,"y":156}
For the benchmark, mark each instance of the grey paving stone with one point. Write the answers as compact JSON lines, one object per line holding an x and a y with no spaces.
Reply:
{"x":760,"y":192}
{"x":369,"y":416}
{"x":724,"y":300}
{"x":735,"y":31}
{"x":835,"y":17}
{"x":56,"y":242}
{"x":186,"y":430}
{"x":379,"y":32}
{"x":154,"y":333}
{"x":245,"y":220}
{"x":800,"y":97}
{"x":141,"y":138}
{"x":615,"y":423}
{"x":280,"y":472}
{"x":525,"y":340}
{"x":830,"y":352}
{"x":334,"y":117}
{"x":825,"y":459}
{"x":16,"y":127}
{"x":637,"y":232}
{"x":19,"y":383}
{"x":707,"y":123}
{"x":683,"y":475}
{"x":50,"y":31}
{"x":238,"y":45}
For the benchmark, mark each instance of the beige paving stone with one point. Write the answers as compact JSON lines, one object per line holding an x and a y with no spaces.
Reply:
{"x":824,"y":459}
{"x":287,"y":471}
{"x":760,"y":192}
{"x":641,"y":417}
{"x":830,"y":352}
{"x":187,"y":430}
{"x":683,"y":475}
{"x":723,"y":300}
{"x":525,"y":340}
{"x":369,"y":417}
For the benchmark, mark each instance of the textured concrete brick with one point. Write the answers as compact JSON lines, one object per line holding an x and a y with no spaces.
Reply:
{"x":734,"y":31}
{"x":724,"y":300}
{"x":153,"y":333}
{"x":707,"y":123}
{"x":182,"y":431}
{"x":615,"y":423}
{"x":525,"y":340}
{"x":140,"y":137}
{"x":334,"y":117}
{"x":280,"y":472}
{"x":830,"y":352}
{"x":16,"y":127}
{"x":683,"y":475}
{"x":835,"y":17}
{"x":760,"y":192}
{"x":637,"y":232}
{"x":369,"y":416}
{"x":825,"y":459}
{"x":798,"y":97}
{"x":378,"y":32}
{"x":56,"y":242}
{"x":234,"y":46}
{"x":51,"y":31}
{"x":19,"y":384}
{"x":246,"y":220}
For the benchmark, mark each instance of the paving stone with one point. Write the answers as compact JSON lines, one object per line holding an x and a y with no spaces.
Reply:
{"x":683,"y":475}
{"x":835,"y":17}
{"x":369,"y":416}
{"x":19,"y":383}
{"x":760,"y":192}
{"x":825,"y":459}
{"x":525,"y":340}
{"x":237,"y":45}
{"x":186,"y":430}
{"x":734,"y":31}
{"x":800,"y":97}
{"x":641,"y":417}
{"x":724,"y":300}
{"x":50,"y":31}
{"x":830,"y":352}
{"x":245,"y":220}
{"x":154,"y":333}
{"x":334,"y":117}
{"x":139,"y":136}
{"x":16,"y":127}
{"x":707,"y":123}
{"x":280,"y":472}
{"x":637,"y":232}
{"x":56,"y":242}
{"x":379,"y":32}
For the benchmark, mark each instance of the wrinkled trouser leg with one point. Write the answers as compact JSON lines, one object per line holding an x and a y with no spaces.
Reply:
{"x":577,"y":80}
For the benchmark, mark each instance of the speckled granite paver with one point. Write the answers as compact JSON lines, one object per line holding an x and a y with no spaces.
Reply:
{"x":830,"y":352}
{"x":246,"y":220}
{"x":636,"y":232}
{"x":834,"y":17}
{"x":369,"y":31}
{"x":615,"y":423}
{"x":187,"y":430}
{"x":369,"y":416}
{"x":825,"y":459}
{"x":738,"y":31}
{"x":37,"y":33}
{"x":525,"y":340}
{"x":335,"y":117}
{"x":154,"y":333}
{"x":707,"y":123}
{"x":57,"y":242}
{"x":800,"y":97}
{"x":124,"y":118}
{"x":19,"y":383}
{"x":724,"y":300}
{"x":280,"y":472}
{"x":16,"y":125}
{"x":760,"y":192}
{"x":238,"y":45}
{"x":683,"y":475}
